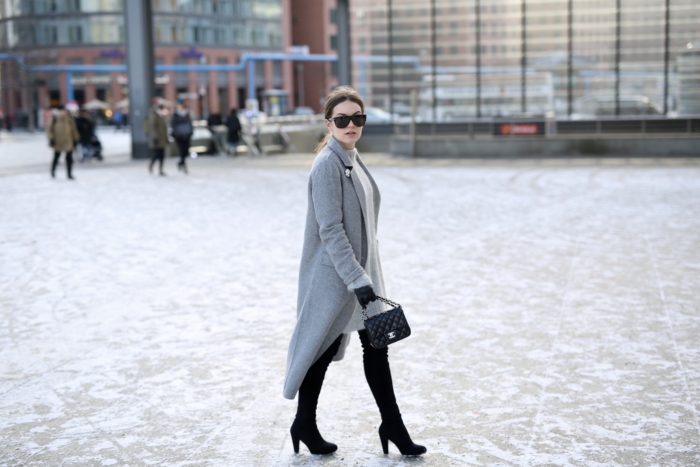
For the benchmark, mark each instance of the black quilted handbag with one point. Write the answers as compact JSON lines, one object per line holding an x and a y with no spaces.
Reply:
{"x":387,"y":327}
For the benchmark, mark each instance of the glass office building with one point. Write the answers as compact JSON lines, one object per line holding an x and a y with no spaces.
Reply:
{"x":51,"y":23}
{"x":91,"y":32}
{"x":471,"y":58}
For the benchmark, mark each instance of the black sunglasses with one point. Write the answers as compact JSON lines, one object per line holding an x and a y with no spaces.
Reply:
{"x":344,"y":121}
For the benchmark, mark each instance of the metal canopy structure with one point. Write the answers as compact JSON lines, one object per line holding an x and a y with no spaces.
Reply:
{"x":247,"y":62}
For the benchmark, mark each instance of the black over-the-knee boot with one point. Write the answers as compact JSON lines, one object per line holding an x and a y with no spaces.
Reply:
{"x":378,"y":374}
{"x":56,"y":156}
{"x":69,"y":164}
{"x":161,"y":157}
{"x":304,"y":426}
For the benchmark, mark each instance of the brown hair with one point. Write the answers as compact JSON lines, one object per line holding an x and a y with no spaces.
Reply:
{"x":338,"y":95}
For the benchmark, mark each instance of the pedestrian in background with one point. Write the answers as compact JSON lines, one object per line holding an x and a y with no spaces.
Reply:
{"x":234,"y":131}
{"x":156,"y":129}
{"x":86,"y":130}
{"x":339,"y":275}
{"x":182,"y":128}
{"x":63,"y":136}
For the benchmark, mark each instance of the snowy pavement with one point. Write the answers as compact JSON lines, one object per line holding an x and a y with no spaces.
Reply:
{"x":21,"y":152}
{"x":554,"y":307}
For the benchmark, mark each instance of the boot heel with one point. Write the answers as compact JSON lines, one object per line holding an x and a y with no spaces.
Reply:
{"x":310,"y":436}
{"x":295,"y":443}
{"x":396,"y":432}
{"x":385,"y":443}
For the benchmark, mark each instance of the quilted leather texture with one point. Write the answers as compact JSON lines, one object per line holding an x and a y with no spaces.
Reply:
{"x":387,"y":328}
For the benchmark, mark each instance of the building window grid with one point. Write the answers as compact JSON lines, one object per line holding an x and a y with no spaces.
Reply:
{"x":642,"y":35}
{"x":256,"y":23}
{"x":593,"y":29}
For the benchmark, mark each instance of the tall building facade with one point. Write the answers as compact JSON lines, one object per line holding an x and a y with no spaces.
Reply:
{"x":313,"y":26}
{"x":514,"y":57}
{"x":91,"y":32}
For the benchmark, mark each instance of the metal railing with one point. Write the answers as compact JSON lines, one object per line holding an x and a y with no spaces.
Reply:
{"x":529,"y":128}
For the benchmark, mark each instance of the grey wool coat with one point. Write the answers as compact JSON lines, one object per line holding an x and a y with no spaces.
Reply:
{"x":334,"y":260}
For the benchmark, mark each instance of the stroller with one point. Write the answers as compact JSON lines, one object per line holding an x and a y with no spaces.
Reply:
{"x":96,"y":148}
{"x":89,"y":144}
{"x":91,"y":149}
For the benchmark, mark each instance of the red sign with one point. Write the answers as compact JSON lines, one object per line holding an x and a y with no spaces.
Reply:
{"x":527,"y":129}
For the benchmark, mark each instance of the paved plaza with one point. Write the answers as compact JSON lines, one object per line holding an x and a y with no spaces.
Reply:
{"x":22,"y":152}
{"x":554,"y":307}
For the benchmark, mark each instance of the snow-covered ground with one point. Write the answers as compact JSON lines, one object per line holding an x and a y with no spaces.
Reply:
{"x":21,"y":151}
{"x":554,"y":307}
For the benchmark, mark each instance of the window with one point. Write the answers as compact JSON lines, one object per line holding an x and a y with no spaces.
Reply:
{"x":51,"y":35}
{"x":258,"y":37}
{"x":334,"y":42}
{"x":277,"y":78}
{"x":222,"y":76}
{"x":75,"y":34}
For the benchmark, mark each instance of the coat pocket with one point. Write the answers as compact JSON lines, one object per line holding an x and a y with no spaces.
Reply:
{"x":326,"y":260}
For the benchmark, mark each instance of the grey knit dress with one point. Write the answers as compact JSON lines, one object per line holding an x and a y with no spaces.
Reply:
{"x":371,"y":254}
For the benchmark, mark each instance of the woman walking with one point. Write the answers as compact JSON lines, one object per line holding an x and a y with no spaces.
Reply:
{"x":340,"y":273}
{"x":157,"y":130}
{"x":63,"y":136}
{"x":181,"y":124}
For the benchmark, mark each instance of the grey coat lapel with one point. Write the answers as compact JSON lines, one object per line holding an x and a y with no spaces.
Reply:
{"x":359,"y":190}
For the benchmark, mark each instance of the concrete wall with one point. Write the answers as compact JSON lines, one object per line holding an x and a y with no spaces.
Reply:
{"x":374,"y":143}
{"x":456,"y":146}
{"x":306,"y":138}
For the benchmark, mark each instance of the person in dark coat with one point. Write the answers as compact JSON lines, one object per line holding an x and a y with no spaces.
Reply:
{"x":214,"y":120}
{"x":182,"y":130}
{"x":156,"y":129}
{"x":339,"y":276}
{"x":86,"y":130}
{"x":63,"y":136}
{"x":234,"y":131}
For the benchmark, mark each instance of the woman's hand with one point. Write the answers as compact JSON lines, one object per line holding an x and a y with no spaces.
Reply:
{"x":365,"y":295}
